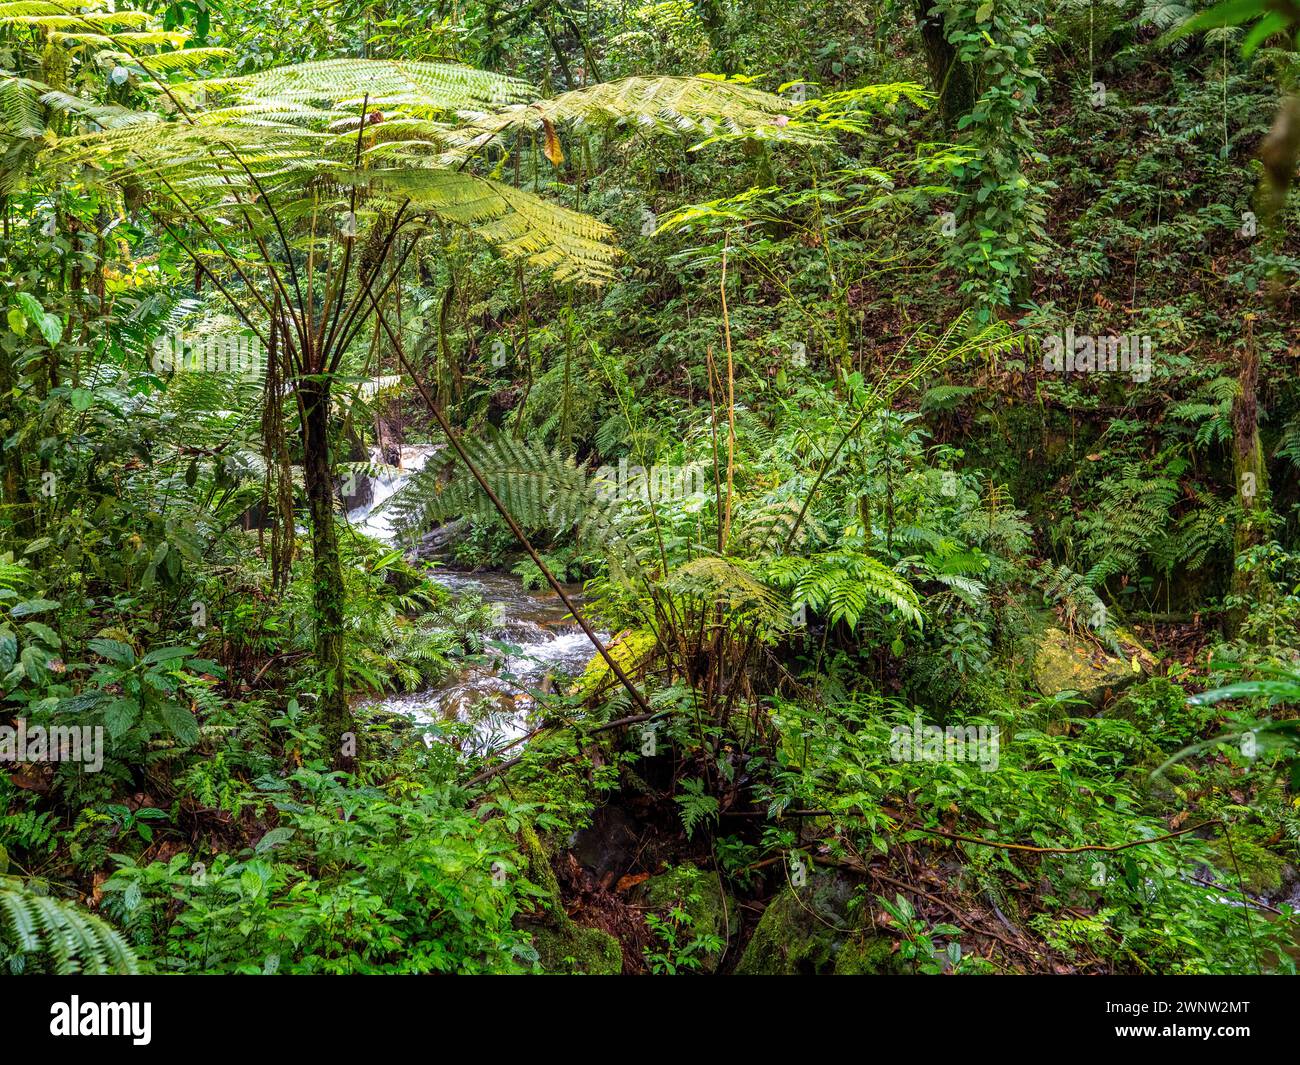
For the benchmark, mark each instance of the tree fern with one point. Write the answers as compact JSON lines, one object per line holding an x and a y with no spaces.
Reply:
{"x":570,"y":245}
{"x":1131,"y":522}
{"x":1288,"y":446}
{"x":541,"y":487}
{"x":675,"y":104}
{"x":729,"y":584}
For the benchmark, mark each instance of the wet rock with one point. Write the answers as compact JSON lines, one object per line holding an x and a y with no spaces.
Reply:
{"x":818,"y":930}
{"x":1063,"y":662}
{"x":437,"y":541}
{"x":362,"y":494}
{"x":608,"y":846}
{"x":563,"y":945}
{"x":709,"y":909}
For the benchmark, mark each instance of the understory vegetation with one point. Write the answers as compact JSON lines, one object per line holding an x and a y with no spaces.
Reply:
{"x":688,"y":488}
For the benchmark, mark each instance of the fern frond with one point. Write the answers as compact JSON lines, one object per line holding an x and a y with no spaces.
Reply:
{"x":61,"y":936}
{"x":844,"y":584}
{"x":671,"y":104}
{"x":382,"y":83}
{"x":572,"y":246}
{"x":542,"y":488}
{"x":727,"y":583}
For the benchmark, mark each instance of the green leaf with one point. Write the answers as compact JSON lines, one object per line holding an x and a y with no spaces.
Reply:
{"x":120,"y":715}
{"x":165,"y":654}
{"x":181,"y":723}
{"x":43,"y":633}
{"x":1262,"y":31}
{"x":1228,"y":13}
{"x":30,"y":306}
{"x":32,"y":606}
{"x":273,"y":839}
{"x":49,"y":324}
{"x":113,"y":650}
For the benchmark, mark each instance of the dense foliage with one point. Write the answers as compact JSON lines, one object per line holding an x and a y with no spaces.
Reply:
{"x":900,"y":398}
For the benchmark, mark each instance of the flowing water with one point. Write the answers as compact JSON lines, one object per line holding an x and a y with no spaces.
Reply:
{"x":535,"y":638}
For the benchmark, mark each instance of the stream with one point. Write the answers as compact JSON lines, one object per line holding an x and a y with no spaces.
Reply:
{"x":534,"y":640}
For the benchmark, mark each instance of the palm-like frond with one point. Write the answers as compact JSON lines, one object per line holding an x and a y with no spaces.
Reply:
{"x":108,"y":21}
{"x":727,"y":583}
{"x":20,"y":107}
{"x":25,"y":8}
{"x":675,"y":104}
{"x":540,"y":487}
{"x":572,"y":246}
{"x":844,"y":584}
{"x":381,"y":83}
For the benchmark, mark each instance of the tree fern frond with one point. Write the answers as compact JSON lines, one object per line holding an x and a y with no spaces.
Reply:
{"x":20,"y":107}
{"x":572,"y":246}
{"x":179,"y":59}
{"x":382,"y":83}
{"x":108,"y":116}
{"x":542,"y":488}
{"x":107,"y":20}
{"x":674,"y":104}
{"x":144,"y":38}
{"x":727,"y":583}
{"x":844,"y":584}
{"x":20,"y":8}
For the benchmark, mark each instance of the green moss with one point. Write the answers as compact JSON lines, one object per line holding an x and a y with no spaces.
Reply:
{"x":563,"y":945}
{"x":1261,"y":869}
{"x":869,"y":956}
{"x":816,"y":932}
{"x":701,"y":896}
{"x":571,"y":948}
{"x":1065,"y":663}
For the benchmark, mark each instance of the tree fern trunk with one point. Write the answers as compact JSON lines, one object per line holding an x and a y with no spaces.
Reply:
{"x":1251,"y":475}
{"x":17,"y":501}
{"x":950,"y":77}
{"x":327,"y":571}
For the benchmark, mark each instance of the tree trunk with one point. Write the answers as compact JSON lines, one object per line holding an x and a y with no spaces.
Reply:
{"x":1251,"y":475}
{"x":950,"y":77}
{"x":327,"y":571}
{"x":17,"y":504}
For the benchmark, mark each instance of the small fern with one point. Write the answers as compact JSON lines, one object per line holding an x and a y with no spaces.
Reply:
{"x":58,"y":937}
{"x":844,"y":584}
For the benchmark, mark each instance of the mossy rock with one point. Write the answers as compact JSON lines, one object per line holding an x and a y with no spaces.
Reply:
{"x":701,"y":896}
{"x":1066,"y":663}
{"x":817,"y":932}
{"x":568,"y":947}
{"x":563,"y":945}
{"x":630,"y":649}
{"x":871,"y":955}
{"x":1262,"y":871}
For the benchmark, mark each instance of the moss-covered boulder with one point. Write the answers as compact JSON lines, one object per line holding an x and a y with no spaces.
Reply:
{"x":568,"y":947}
{"x":563,"y":945}
{"x":816,"y":930}
{"x":1063,"y":662}
{"x":709,"y":909}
